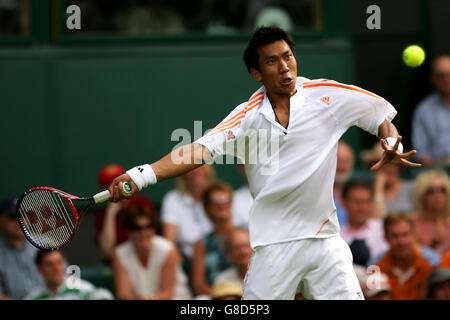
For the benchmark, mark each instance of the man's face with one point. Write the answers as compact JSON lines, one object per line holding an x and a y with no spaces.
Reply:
{"x":441,"y":75}
{"x":359,"y":205}
{"x":239,"y":251}
{"x":52,"y":268}
{"x":400,"y":238}
{"x":278,"y":68}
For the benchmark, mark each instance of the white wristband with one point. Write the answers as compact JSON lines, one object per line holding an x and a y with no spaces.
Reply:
{"x":390,"y":141}
{"x":142,"y":176}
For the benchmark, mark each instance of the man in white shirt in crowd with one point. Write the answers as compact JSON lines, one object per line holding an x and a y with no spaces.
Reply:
{"x":358,"y":200}
{"x":294,"y":231}
{"x":238,"y":251}
{"x":59,"y":286}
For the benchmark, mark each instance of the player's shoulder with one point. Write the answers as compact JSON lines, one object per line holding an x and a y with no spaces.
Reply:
{"x":325,"y":89}
{"x":253,"y":102}
{"x":314,"y":86}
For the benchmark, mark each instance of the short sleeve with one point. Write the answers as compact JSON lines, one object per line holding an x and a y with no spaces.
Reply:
{"x":361,"y":108}
{"x":221,"y":140}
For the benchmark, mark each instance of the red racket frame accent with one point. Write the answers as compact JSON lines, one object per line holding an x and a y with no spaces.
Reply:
{"x":68,"y":198}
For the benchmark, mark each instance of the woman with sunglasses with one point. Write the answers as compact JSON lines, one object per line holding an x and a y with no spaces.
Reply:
{"x":432,"y":204}
{"x":145,"y":266}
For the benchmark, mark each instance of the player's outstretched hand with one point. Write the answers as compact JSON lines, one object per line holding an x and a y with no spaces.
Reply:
{"x":392,"y":155}
{"x":116,"y":188}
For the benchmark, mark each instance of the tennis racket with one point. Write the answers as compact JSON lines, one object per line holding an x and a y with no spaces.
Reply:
{"x":49,"y":217}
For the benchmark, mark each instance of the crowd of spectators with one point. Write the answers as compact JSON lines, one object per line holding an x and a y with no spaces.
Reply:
{"x":399,"y":254}
{"x":163,"y":17}
{"x":197,"y":246}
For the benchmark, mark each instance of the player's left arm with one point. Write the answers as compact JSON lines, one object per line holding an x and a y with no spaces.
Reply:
{"x":392,"y":154}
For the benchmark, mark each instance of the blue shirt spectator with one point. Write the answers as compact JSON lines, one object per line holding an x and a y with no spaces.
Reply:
{"x":431,"y":120}
{"x":18,"y":274}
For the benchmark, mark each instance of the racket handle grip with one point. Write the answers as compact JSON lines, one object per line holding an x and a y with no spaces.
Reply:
{"x":101,"y":196}
{"x":104,"y":195}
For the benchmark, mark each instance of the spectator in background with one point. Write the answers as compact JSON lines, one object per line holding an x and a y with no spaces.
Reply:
{"x":149,"y":17}
{"x":51,"y":266}
{"x":209,"y":255}
{"x":360,"y":228}
{"x":109,"y":220}
{"x":183,"y":217}
{"x":432,"y":205}
{"x":438,"y":285}
{"x":391,"y":193}
{"x":344,"y":170}
{"x":445,"y":262}
{"x":242,"y":202}
{"x":18,"y":274}
{"x":238,"y":252}
{"x":227,"y":290}
{"x":404,"y":264}
{"x":145,"y":266}
{"x":431,"y":119}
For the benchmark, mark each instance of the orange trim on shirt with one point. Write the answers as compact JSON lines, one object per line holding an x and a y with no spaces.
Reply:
{"x":231,"y":123}
{"x":345,"y":87}
{"x":258,"y":97}
{"x":213,"y":133}
{"x":323,"y":225}
{"x":236,"y":116}
{"x":315,"y":81}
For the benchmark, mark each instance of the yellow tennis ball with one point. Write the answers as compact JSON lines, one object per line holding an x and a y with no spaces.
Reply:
{"x":413,"y":56}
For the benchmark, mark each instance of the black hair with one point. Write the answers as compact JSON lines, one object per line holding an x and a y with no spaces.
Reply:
{"x":261,"y":37}
{"x":355,"y":184}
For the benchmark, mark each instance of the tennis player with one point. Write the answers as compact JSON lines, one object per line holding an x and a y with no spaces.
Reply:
{"x":294,"y":231}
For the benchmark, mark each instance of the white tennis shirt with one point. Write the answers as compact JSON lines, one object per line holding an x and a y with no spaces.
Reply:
{"x":291,"y":171}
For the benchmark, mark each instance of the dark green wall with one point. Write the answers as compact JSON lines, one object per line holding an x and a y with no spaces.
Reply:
{"x":67,"y":111}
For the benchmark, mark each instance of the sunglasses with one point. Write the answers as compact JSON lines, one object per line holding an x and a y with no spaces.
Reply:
{"x":135,"y":227}
{"x":431,"y":189}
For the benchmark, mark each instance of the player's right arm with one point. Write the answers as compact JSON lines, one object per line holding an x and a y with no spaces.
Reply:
{"x":174,"y":164}
{"x":189,"y":157}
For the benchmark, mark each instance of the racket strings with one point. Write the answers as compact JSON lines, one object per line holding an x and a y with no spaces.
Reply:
{"x":47,"y":218}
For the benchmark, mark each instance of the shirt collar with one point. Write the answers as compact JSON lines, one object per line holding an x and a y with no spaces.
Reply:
{"x":266,"y":106}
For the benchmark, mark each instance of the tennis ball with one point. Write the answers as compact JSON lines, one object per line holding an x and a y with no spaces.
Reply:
{"x":413,"y":56}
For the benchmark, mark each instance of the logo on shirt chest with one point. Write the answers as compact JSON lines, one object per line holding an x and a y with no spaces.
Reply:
{"x":325,"y":100}
{"x":230,"y":135}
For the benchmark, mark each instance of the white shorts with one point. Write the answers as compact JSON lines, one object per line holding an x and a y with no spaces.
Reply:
{"x":321,"y":268}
